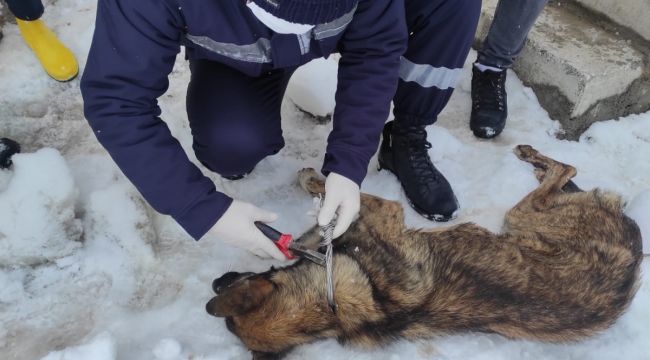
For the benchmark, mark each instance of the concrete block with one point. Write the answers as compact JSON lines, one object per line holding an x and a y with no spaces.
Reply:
{"x":580,"y":72}
{"x":633,"y":14}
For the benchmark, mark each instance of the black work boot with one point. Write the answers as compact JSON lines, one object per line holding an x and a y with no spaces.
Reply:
{"x":8,"y":148}
{"x":403,"y":151}
{"x":489,"y":103}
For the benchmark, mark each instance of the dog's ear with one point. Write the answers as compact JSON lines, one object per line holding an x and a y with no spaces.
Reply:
{"x":241,"y":298}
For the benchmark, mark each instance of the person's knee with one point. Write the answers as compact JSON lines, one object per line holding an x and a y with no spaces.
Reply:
{"x":234,"y":149}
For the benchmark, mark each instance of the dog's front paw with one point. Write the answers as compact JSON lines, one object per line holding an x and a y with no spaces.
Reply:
{"x":311,"y":181}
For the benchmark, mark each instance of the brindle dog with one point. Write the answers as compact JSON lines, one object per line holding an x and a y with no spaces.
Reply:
{"x":565,"y":267}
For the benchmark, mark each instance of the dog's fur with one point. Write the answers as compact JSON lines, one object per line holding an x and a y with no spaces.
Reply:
{"x":565,"y":267}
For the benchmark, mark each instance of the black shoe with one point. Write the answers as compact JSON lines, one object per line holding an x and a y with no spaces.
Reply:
{"x":489,"y":103}
{"x":8,"y":148}
{"x":403,"y":151}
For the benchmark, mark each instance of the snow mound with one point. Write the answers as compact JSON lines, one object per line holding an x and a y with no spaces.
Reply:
{"x":167,"y":349}
{"x":118,"y":216}
{"x":313,"y":85}
{"x":100,"y":348}
{"x":120,"y":237}
{"x":38,"y":222}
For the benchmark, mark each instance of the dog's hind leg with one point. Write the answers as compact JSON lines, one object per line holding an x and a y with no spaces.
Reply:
{"x":542,"y":164}
{"x":569,"y":187}
{"x":533,"y":216}
{"x":556,"y":176}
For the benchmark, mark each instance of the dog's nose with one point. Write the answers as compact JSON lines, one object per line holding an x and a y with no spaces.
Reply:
{"x":209,"y":306}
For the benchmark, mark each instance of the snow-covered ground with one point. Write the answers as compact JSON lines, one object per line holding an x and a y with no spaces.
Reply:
{"x":89,"y":271}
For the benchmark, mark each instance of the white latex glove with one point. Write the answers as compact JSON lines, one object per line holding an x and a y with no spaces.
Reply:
{"x":237,"y":227}
{"x":342,"y":196}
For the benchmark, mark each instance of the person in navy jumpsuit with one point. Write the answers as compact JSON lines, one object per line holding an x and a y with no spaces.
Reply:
{"x":407,"y":51}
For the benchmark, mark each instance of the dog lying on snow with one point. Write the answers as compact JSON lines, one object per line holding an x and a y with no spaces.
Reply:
{"x":565,"y":267}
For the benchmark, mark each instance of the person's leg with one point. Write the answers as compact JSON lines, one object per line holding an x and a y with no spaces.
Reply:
{"x":513,"y":20}
{"x":440,"y":36}
{"x":441,"y":33}
{"x":57,"y":60}
{"x":235,"y":119}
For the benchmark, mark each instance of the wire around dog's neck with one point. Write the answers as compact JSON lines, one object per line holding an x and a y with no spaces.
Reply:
{"x":327,"y":234}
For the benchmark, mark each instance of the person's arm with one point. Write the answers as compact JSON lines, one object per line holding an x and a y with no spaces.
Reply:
{"x":370,"y":48}
{"x":133,"y":51}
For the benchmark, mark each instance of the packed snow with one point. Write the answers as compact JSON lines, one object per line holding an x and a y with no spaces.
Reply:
{"x":89,"y":271}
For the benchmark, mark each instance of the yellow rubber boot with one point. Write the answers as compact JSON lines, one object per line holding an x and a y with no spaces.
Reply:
{"x":57,"y":60}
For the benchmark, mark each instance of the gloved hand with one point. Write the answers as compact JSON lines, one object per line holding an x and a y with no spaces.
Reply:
{"x":237,"y":227}
{"x":341,"y":194}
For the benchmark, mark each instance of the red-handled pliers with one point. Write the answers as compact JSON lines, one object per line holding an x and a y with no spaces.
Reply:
{"x":288,"y":247}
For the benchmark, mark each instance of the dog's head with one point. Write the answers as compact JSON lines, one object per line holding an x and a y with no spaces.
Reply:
{"x":274,"y":311}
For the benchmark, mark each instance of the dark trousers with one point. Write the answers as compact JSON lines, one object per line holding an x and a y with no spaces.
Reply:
{"x":513,"y":19}
{"x":27,"y":10}
{"x":235,"y":119}
{"x":441,"y":33}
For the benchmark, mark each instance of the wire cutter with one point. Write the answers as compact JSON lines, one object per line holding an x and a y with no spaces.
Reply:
{"x":288,"y":246}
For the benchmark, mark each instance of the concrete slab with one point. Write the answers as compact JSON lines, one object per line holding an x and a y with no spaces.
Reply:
{"x":633,"y":14}
{"x":580,"y":72}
